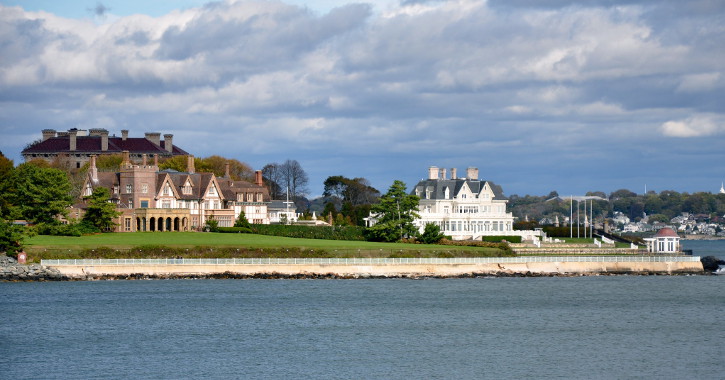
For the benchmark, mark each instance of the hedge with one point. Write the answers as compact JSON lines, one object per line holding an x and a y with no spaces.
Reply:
{"x":510,"y":239}
{"x":354,"y":233}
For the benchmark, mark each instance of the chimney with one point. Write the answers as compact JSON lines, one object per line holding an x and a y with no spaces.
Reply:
{"x":453,"y":173}
{"x":472,"y":173}
{"x":433,"y":172}
{"x":168,"y":142}
{"x":93,"y":169}
{"x":104,"y":140}
{"x":156,"y":161}
{"x":126,"y":162}
{"x":258,"y":178}
{"x":190,"y":164}
{"x":444,"y":175}
{"x":144,"y":157}
{"x":72,"y":134}
{"x":124,"y":134}
{"x":48,"y":133}
{"x":226,"y":170}
{"x":154,"y":138}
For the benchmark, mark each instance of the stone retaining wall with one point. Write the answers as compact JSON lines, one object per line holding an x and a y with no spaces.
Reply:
{"x":379,"y":270}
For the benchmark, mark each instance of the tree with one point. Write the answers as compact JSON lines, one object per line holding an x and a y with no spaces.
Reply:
{"x":357,"y":191}
{"x":431,"y":234}
{"x":394,"y":215}
{"x":38,"y":194}
{"x":101,"y":213}
{"x":242,"y":221}
{"x":272,"y":178}
{"x":11,"y":237}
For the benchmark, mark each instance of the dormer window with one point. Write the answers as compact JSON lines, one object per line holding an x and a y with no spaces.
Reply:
{"x":447,"y":193}
{"x":89,"y":190}
{"x":186,"y":189}
{"x":212,"y":190}
{"x":167,"y":190}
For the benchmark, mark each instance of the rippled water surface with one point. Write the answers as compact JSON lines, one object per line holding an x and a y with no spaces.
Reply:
{"x":583,"y":327}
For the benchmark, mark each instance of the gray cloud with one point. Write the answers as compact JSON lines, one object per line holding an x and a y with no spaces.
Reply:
{"x":539,"y":95}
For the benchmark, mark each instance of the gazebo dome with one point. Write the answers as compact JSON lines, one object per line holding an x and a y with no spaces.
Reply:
{"x":666,"y":232}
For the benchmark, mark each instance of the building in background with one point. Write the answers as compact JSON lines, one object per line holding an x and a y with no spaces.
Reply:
{"x":76,"y":146}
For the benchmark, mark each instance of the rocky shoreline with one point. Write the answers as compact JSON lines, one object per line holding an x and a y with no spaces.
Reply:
{"x":10,"y":270}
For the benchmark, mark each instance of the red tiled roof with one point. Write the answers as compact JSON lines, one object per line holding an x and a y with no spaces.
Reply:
{"x":666,"y":232}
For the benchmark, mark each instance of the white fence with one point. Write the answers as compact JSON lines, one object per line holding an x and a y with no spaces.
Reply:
{"x":373,"y":261}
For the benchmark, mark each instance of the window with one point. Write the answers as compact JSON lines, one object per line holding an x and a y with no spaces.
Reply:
{"x":89,"y":190}
{"x":186,"y":189}
{"x":145,"y":188}
{"x":166,"y":204}
{"x":259,"y":197}
{"x":167,"y":189}
{"x":212,"y":190}
{"x":130,"y":203}
{"x":129,"y":188}
{"x":127,"y":224}
{"x":144,"y":204}
{"x":250,"y":197}
{"x":115,"y":189}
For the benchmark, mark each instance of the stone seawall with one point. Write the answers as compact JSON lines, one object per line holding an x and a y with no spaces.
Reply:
{"x":554,"y":268}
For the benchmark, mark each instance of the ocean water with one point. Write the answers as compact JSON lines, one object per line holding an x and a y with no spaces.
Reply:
{"x":645,"y":327}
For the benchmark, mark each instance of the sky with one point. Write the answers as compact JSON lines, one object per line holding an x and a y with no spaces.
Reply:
{"x":539,"y":95}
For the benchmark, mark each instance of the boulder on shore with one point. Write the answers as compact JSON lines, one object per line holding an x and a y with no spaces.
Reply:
{"x":711,"y":263}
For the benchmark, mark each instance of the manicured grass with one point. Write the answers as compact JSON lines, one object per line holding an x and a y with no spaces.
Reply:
{"x":42,"y":246}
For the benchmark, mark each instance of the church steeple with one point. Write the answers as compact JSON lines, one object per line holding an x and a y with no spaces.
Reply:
{"x":722,"y":187}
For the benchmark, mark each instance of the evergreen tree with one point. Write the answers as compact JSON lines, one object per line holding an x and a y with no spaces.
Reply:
{"x":431,"y":234}
{"x":242,"y":221}
{"x":38,"y":194}
{"x":101,"y":212}
{"x":394,"y":215}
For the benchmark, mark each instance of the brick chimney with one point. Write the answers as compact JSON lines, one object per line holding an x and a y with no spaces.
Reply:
{"x":453,"y":173}
{"x":154,"y":137}
{"x":444,"y":175}
{"x":124,"y":134}
{"x":258,"y":178}
{"x":126,"y":161}
{"x":226,"y":170}
{"x":190,"y":164}
{"x":145,"y":160}
{"x":433,"y":172}
{"x":72,"y":135}
{"x":472,"y":173}
{"x":48,"y":133}
{"x":169,"y":142}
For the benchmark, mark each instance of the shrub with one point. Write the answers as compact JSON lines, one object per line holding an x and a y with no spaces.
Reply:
{"x":510,"y":239}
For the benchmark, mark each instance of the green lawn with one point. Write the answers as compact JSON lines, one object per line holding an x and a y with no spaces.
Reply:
{"x":42,"y":246}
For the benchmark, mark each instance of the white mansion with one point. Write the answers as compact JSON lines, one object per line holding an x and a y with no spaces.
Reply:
{"x":464,"y":208}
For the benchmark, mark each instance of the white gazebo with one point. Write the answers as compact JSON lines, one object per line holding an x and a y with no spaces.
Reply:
{"x":665,"y":240}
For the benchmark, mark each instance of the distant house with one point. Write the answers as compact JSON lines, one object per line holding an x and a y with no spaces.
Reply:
{"x":282,"y":212}
{"x":76,"y":146}
{"x":167,"y":200}
{"x":665,"y":240}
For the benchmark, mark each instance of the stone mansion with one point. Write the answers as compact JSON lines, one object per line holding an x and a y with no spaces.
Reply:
{"x":150,"y":199}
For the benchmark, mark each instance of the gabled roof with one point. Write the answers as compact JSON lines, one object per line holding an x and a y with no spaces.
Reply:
{"x":437,"y":187}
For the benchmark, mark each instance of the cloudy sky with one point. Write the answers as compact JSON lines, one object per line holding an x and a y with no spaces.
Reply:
{"x":540,"y":95}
